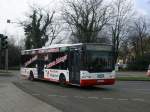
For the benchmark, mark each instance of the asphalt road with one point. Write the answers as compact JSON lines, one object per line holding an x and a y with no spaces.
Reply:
{"x":124,"y":96}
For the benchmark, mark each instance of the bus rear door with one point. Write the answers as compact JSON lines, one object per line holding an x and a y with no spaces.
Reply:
{"x":40,"y":69}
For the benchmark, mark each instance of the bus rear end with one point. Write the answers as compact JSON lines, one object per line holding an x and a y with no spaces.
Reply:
{"x":97,"y":65}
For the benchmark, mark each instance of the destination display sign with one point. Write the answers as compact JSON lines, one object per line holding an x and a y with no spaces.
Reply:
{"x":99,"y":47}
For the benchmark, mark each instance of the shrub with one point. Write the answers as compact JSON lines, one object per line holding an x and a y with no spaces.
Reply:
{"x":140,"y":63}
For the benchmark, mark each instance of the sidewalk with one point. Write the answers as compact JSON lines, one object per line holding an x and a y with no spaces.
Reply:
{"x":12,"y":99}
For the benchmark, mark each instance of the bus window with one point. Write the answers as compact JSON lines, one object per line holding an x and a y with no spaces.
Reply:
{"x":98,"y":61}
{"x":61,"y":65}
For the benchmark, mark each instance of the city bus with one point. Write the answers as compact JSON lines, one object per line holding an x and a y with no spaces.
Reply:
{"x":79,"y":64}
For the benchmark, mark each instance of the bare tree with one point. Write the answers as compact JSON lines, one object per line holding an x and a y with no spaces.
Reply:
{"x":54,"y":32}
{"x":134,"y":43}
{"x":140,"y":27}
{"x":86,"y":18}
{"x":122,"y":13}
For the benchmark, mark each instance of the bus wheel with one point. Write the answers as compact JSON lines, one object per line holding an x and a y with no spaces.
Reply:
{"x":31,"y":76}
{"x":62,"y":80}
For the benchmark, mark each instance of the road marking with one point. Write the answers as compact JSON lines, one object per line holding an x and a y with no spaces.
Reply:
{"x":142,"y":89}
{"x":80,"y":97}
{"x":93,"y":97}
{"x":107,"y":98}
{"x":52,"y":95}
{"x":96,"y":98}
{"x":122,"y":99}
{"x":63,"y":96}
{"x":138,"y":99}
{"x":35,"y":94}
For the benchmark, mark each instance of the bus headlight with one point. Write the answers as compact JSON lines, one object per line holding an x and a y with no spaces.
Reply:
{"x":113,"y":74}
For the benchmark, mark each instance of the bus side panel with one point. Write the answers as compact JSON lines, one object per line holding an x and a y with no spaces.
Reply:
{"x":53,"y":74}
{"x":25,"y":72}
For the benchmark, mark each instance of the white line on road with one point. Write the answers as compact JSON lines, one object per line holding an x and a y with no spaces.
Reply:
{"x":138,"y":99}
{"x":52,"y":95}
{"x":107,"y":98}
{"x":35,"y":94}
{"x":63,"y":96}
{"x":93,"y":97}
{"x":142,"y":89}
{"x":80,"y":97}
{"x":121,"y":99}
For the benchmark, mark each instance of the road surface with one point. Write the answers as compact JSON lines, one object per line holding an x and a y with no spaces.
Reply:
{"x":127,"y":96}
{"x":124,"y":96}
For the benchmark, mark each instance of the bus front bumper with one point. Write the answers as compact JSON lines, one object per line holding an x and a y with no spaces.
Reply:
{"x":92,"y":82}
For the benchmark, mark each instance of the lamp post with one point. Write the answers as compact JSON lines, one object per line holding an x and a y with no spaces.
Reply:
{"x":6,"y":45}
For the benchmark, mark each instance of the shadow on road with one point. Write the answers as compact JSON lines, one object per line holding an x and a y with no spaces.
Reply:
{"x":91,"y":88}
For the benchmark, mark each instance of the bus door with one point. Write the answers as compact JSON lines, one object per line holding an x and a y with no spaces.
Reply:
{"x":40,"y":68}
{"x":74,"y":68}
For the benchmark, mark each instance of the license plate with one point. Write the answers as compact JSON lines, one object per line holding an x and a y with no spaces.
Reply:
{"x":100,"y":76}
{"x":100,"y":80}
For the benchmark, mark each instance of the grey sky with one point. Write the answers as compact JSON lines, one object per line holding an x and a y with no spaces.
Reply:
{"x":143,"y":7}
{"x":15,"y":10}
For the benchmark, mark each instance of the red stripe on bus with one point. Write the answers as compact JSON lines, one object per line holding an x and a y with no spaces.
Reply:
{"x":91,"y":82}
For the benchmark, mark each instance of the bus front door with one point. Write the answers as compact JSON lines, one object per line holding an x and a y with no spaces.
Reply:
{"x":40,"y":69}
{"x":74,"y":69}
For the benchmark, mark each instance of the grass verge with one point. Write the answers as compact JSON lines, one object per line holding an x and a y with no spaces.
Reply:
{"x":133,"y":78}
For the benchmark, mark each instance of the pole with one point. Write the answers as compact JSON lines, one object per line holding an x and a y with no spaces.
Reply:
{"x":6,"y":59}
{"x":0,"y":58}
{"x":0,"y":53}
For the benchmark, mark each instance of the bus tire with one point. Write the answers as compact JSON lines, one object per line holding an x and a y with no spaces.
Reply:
{"x":31,"y":76}
{"x":62,"y":80}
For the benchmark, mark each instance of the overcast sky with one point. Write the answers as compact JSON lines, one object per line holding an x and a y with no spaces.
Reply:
{"x":15,"y":10}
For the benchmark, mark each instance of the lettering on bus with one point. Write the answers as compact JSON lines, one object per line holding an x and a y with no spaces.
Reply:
{"x":41,"y":51}
{"x":53,"y":50}
{"x":57,"y":61}
{"x":30,"y":61}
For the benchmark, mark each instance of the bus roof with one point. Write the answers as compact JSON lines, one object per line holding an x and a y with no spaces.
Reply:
{"x":55,"y":46}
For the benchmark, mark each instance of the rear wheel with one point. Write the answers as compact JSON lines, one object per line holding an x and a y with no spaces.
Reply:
{"x":31,"y":76}
{"x":62,"y":80}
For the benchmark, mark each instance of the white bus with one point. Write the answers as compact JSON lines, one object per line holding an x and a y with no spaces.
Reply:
{"x":75,"y":64}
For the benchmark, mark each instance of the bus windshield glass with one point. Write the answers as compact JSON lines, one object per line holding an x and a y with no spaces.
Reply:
{"x":98,"y":61}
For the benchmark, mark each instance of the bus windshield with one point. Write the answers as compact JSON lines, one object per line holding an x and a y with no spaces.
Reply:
{"x":96,"y":61}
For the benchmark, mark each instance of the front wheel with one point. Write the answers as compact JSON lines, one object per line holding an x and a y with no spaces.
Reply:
{"x":31,"y":76}
{"x":62,"y":80}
